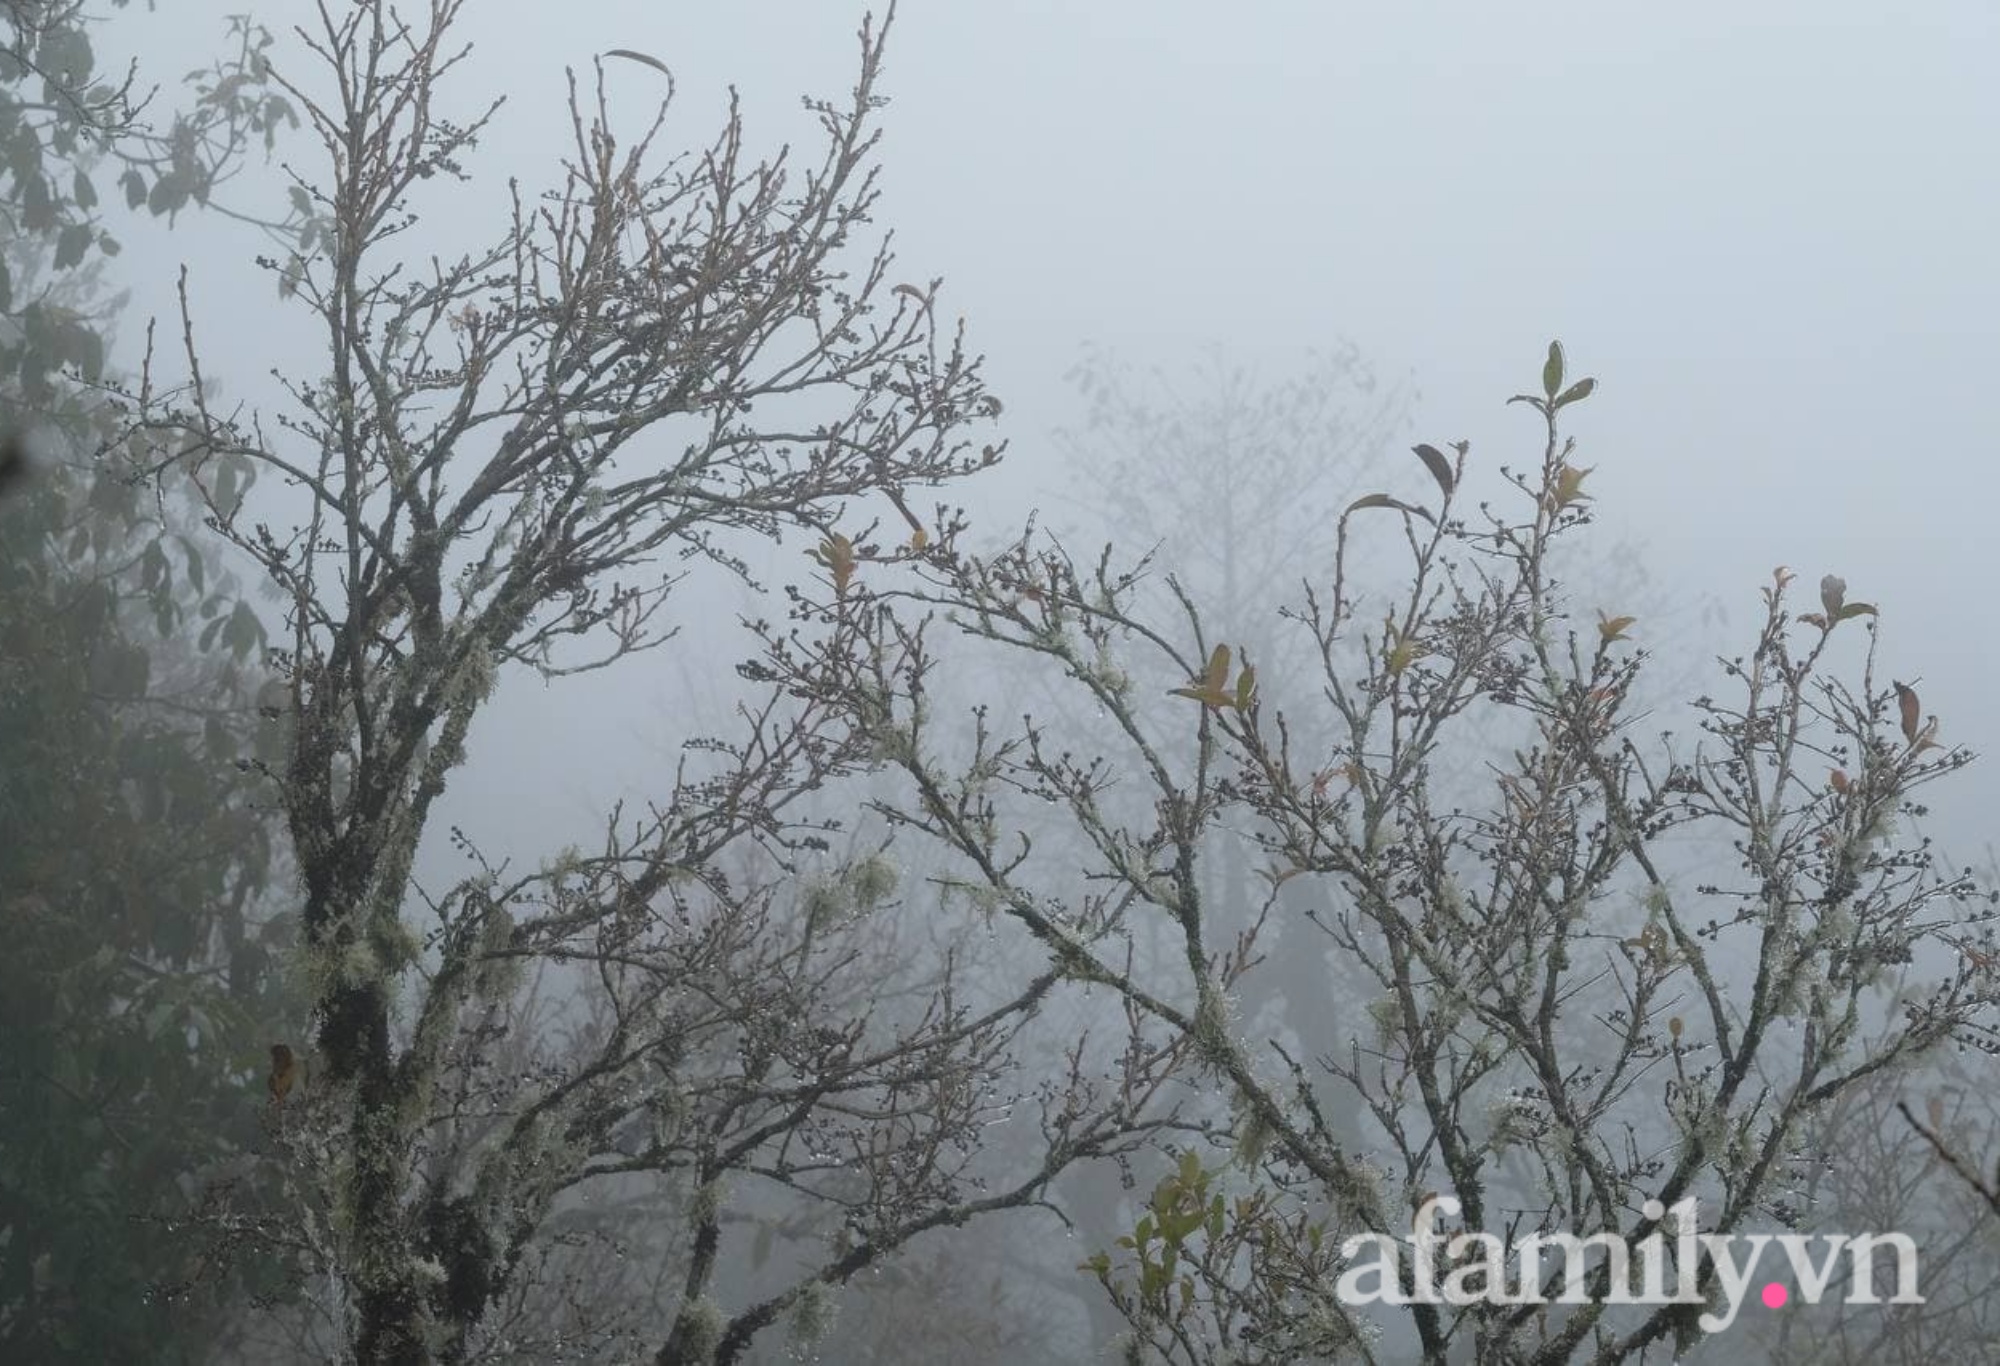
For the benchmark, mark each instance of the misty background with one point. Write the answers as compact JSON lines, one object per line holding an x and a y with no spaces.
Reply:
{"x":1769,"y":236}
{"x":1768,"y":232}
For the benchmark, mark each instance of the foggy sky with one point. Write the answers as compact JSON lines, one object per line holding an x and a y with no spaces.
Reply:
{"x":1768,"y":230}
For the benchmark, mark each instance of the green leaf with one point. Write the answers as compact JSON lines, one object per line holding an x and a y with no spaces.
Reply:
{"x":168,"y":195}
{"x":645,"y":58}
{"x":244,"y":631}
{"x":83,"y":192}
{"x":1383,"y":500}
{"x":134,"y":186}
{"x":196,"y":569}
{"x":1435,"y":462}
{"x":1552,"y":370}
{"x":38,"y":207}
{"x":1577,"y":392}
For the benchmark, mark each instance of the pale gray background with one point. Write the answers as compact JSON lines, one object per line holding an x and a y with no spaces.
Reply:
{"x":1768,"y":229}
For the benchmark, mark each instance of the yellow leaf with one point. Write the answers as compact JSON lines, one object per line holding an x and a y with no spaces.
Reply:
{"x":1569,"y":485}
{"x":1212,"y":688}
{"x":1613,"y":628}
{"x":919,"y":539}
{"x":1246,"y":688}
{"x":1401,"y":652}
{"x":1218,"y":668}
{"x":836,"y":552}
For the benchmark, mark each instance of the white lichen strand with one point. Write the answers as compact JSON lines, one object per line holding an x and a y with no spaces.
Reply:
{"x":871,"y":881}
{"x":706,"y":1201}
{"x":813,"y":1314}
{"x":701,"y":1327}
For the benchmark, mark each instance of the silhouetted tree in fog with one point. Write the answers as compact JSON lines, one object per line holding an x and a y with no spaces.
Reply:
{"x":656,"y":362}
{"x":1570,"y":1019}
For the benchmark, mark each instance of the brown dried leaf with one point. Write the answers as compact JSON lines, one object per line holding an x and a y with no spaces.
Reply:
{"x":1910,"y":710}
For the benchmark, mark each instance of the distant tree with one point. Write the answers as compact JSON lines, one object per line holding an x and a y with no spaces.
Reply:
{"x":137,"y":977}
{"x":1865,"y":1166}
{"x":694,"y":1020}
{"x":1577,"y":1009}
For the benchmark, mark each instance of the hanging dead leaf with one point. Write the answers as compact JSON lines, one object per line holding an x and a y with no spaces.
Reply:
{"x":1935,"y":1107}
{"x":1927,"y":737}
{"x":284,"y":1073}
{"x":1839,"y":782}
{"x":1833,"y":595}
{"x":1675,"y":1026}
{"x":1910,"y":711}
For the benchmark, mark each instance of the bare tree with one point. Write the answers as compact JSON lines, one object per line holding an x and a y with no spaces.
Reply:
{"x":1582,"y":1018}
{"x":655,"y":360}
{"x":1866,"y":1168}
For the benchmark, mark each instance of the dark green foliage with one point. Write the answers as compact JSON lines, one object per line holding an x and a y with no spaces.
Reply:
{"x":137,"y":988}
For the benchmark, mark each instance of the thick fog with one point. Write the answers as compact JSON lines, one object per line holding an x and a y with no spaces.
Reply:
{"x":1768,"y":233}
